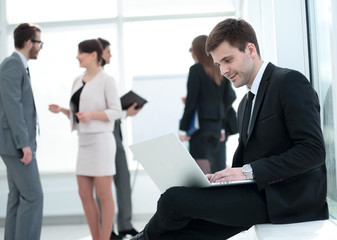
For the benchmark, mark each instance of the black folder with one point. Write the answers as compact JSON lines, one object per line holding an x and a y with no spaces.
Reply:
{"x":131,"y":97}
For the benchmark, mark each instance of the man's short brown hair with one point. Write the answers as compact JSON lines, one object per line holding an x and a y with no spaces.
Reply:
{"x":236,"y":32}
{"x":23,"y":33}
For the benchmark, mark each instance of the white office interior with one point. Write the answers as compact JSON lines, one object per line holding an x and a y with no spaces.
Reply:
{"x":150,"y":43}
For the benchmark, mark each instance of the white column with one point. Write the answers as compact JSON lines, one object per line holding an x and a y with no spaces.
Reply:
{"x":3,"y":52}
{"x":3,"y":30}
{"x":291,"y":35}
{"x":280,"y":26}
{"x":333,"y":47}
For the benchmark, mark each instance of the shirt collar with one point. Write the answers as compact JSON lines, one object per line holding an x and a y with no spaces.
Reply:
{"x":23,"y":59}
{"x":257,"y":79}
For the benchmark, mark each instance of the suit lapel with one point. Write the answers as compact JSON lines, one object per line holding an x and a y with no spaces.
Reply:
{"x":260,"y":95}
{"x":25,"y":77}
{"x":78,"y":84}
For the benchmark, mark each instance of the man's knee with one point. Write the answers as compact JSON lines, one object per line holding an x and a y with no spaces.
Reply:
{"x":172,"y":198}
{"x":34,"y":197}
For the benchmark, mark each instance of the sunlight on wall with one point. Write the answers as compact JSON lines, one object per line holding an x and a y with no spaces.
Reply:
{"x":60,"y":10}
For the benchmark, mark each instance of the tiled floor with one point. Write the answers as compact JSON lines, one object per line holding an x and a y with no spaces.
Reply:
{"x":81,"y":232}
{"x":69,"y":232}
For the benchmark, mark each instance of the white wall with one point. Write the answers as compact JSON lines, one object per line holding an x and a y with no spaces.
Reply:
{"x":281,"y":29}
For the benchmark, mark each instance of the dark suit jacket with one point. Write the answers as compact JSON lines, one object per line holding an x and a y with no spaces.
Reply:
{"x":17,"y":108}
{"x":213,"y":102}
{"x":285,"y":147}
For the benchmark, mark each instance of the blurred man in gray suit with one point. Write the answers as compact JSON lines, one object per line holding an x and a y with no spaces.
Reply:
{"x":18,"y":121}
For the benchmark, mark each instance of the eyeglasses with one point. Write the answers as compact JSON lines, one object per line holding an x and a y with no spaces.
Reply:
{"x":37,"y":41}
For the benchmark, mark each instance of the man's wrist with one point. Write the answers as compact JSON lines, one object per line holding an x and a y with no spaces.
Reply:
{"x":182,"y":133}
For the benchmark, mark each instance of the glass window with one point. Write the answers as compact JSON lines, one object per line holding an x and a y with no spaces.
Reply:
{"x":167,"y":7}
{"x":48,"y":11}
{"x":321,"y":63}
{"x":162,"y":47}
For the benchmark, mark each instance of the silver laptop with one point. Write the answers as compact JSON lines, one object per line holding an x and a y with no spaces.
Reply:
{"x":169,"y":164}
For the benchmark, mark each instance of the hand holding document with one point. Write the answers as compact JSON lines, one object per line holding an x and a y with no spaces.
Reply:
{"x":130,"y":98}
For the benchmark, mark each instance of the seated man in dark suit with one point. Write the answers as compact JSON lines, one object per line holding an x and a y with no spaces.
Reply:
{"x":280,"y":146}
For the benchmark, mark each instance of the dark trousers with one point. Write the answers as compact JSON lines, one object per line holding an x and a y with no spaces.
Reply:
{"x":25,"y":200}
{"x":122,"y":183}
{"x":215,"y":213}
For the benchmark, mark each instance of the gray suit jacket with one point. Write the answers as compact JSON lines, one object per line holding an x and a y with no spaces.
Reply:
{"x":17,"y":108}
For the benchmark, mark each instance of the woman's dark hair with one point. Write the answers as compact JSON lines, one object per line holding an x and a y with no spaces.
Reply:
{"x":198,"y":48}
{"x":104,"y":43}
{"x":90,"y":46}
{"x":23,"y":33}
{"x":236,"y":32}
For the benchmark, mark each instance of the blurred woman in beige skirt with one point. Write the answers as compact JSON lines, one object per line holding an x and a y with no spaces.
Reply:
{"x":94,"y":107}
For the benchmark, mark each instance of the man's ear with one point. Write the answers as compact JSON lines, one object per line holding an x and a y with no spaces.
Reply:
{"x":251,"y":49}
{"x":28,"y":43}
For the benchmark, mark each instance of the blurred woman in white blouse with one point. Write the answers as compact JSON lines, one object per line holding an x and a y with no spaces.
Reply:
{"x":94,"y":107}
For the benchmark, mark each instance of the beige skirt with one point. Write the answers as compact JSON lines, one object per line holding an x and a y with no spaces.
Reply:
{"x":96,"y":154}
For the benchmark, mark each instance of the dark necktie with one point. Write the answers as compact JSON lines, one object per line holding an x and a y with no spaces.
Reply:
{"x":246,"y":117}
{"x":28,"y":72}
{"x":37,"y":117}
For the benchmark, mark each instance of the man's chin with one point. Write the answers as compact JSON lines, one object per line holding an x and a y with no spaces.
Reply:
{"x":237,"y":84}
